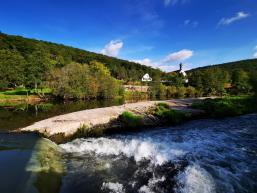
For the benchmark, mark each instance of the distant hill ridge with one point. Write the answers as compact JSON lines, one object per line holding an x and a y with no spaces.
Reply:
{"x":61,"y":55}
{"x":249,"y":66}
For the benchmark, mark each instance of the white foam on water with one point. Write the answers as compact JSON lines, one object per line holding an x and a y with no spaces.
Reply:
{"x":196,"y":180}
{"x":145,"y":189}
{"x":155,"y":151}
{"x":107,"y":165}
{"x":207,"y":143}
{"x":113,"y":187}
{"x":151,"y":184}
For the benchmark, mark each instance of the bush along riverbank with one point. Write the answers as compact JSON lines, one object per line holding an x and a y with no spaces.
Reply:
{"x":227,"y":106}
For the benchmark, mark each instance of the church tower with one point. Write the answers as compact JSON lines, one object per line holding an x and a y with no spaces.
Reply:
{"x":180,"y":67}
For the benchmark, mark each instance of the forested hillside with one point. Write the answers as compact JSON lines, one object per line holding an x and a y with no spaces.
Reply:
{"x":236,"y":77}
{"x":74,"y":73}
{"x":249,"y":66}
{"x":28,"y":61}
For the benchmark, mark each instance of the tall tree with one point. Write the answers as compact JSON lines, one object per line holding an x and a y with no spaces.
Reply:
{"x":11,"y":69}
{"x":35,"y":69}
{"x":241,"y":82}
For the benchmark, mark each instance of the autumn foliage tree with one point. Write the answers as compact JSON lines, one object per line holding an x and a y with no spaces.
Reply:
{"x":83,"y":81}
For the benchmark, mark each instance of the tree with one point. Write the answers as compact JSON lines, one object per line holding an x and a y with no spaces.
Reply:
{"x":190,"y":91}
{"x":196,"y":80}
{"x":35,"y":69}
{"x":108,"y":87}
{"x":241,"y":82}
{"x":175,"y":79}
{"x":253,"y":81}
{"x":11,"y":69}
{"x":212,"y":81}
{"x":171,"y":92}
{"x":83,"y":81}
{"x":69,"y":81}
{"x":162,"y":92}
{"x":181,"y":92}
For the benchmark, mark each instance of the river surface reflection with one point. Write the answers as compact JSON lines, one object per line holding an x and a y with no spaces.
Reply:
{"x":20,"y":115}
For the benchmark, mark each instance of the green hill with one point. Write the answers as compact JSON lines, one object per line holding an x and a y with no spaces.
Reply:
{"x":249,"y":66}
{"x":236,"y":77}
{"x":22,"y":57}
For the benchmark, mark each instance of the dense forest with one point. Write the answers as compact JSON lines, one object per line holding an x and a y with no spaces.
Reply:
{"x":26,"y":61}
{"x":74,"y":73}
{"x":230,"y":78}
{"x":249,"y":66}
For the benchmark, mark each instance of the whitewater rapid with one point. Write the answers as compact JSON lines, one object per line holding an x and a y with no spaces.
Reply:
{"x":203,"y":156}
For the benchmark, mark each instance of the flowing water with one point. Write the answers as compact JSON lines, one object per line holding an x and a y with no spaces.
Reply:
{"x":201,"y":156}
{"x":197,"y":157}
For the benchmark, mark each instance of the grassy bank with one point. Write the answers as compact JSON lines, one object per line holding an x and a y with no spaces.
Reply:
{"x":227,"y":106}
{"x":18,"y":95}
{"x":170,"y":116}
{"x":25,"y":91}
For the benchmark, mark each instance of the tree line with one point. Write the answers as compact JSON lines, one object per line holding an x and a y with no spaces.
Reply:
{"x":76,"y":73}
{"x":84,"y":81}
{"x":27,"y":61}
{"x":239,"y":78}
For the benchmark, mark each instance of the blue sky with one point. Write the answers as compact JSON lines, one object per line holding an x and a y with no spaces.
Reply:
{"x":160,"y":33}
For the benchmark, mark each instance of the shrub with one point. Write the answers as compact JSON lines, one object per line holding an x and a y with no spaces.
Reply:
{"x":228,"y":106}
{"x":181,"y":92}
{"x":190,"y":91}
{"x":135,"y":96}
{"x":171,"y":116}
{"x":130,"y":119}
{"x":171,"y":91}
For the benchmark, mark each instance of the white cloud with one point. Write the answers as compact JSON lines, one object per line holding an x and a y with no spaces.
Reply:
{"x":112,"y":48}
{"x":162,"y":66}
{"x":240,"y":15}
{"x":165,"y":63}
{"x":255,"y":54}
{"x":173,"y":2}
{"x":146,"y":62}
{"x":179,"y":56}
{"x":167,"y":2}
{"x":168,"y":68}
{"x":188,"y":22}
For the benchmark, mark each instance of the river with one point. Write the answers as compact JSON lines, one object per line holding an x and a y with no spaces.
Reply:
{"x":196,"y":157}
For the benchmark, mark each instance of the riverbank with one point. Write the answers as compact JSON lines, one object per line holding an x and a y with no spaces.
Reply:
{"x":5,"y":99}
{"x":136,"y":116}
{"x":89,"y":122}
{"x":23,"y":95}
